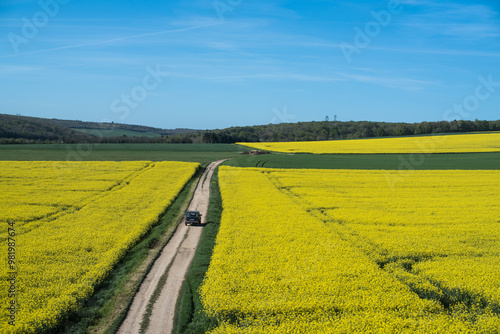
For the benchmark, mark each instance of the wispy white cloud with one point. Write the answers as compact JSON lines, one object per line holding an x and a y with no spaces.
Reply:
{"x":457,"y":30}
{"x":195,"y":20}
{"x":270,"y":76}
{"x":436,"y":51}
{"x":408,"y":84}
{"x":453,"y":9}
{"x":267,"y":9}
{"x":13,"y":2}
{"x":454,"y":20}
{"x":18,"y":69}
{"x":472,"y":11}
{"x":472,"y":31}
{"x":110,"y":41}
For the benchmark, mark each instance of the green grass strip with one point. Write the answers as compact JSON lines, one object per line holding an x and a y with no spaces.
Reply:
{"x":411,"y":161}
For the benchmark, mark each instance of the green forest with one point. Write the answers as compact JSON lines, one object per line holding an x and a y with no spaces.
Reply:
{"x":31,"y":130}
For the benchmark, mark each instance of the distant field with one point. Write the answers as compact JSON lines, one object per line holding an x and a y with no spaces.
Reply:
{"x":371,"y":161}
{"x":202,"y":153}
{"x":117,"y":133}
{"x":456,"y":143}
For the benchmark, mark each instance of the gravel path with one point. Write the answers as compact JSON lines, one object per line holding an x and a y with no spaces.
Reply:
{"x":177,"y":254}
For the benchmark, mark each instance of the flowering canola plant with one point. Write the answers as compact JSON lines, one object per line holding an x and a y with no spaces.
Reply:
{"x":339,"y":251}
{"x":68,"y":224}
{"x":462,"y":143}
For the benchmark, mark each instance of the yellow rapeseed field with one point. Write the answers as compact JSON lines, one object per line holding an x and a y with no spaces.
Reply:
{"x":66,"y":224}
{"x":462,"y":143}
{"x":348,"y":251}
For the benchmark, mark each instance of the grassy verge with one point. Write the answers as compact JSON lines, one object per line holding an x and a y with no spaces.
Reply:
{"x":106,"y":309}
{"x":372,"y":161}
{"x":190,"y":318}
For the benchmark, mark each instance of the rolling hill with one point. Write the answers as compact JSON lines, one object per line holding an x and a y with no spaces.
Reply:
{"x":23,"y":129}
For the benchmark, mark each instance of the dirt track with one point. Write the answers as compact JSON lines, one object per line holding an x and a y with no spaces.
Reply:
{"x":177,"y":254}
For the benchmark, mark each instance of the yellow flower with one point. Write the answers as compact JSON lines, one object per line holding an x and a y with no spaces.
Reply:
{"x":344,"y":251}
{"x":71,"y":222}
{"x":477,"y":142}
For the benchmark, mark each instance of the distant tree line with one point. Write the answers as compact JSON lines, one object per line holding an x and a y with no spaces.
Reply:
{"x":35,"y":130}
{"x":310,"y":131}
{"x":20,"y":130}
{"x":117,"y":126}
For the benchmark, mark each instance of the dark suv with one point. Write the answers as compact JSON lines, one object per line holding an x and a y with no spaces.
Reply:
{"x":193,"y":218}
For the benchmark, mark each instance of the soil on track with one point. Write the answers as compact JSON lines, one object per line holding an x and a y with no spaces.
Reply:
{"x":176,"y":257}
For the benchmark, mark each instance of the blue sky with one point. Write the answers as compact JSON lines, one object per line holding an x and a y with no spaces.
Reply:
{"x":214,"y":64}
